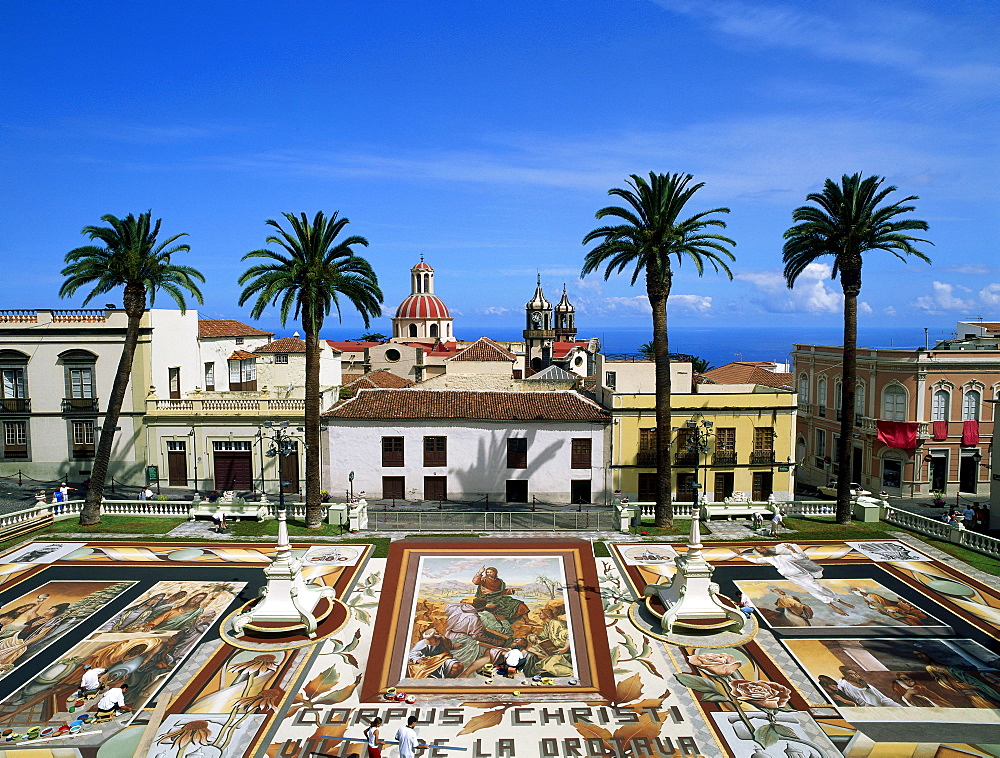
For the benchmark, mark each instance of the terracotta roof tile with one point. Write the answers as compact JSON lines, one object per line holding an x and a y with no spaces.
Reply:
{"x":484,"y":349}
{"x":381,"y":379}
{"x":242,"y":355}
{"x":227,"y":327}
{"x":556,"y":405}
{"x":351,"y":347}
{"x":749,"y":373}
{"x":284,"y":345}
{"x":562,"y":349}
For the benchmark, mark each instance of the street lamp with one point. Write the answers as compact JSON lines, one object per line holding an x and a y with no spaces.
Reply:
{"x":697,"y":443}
{"x":194,"y":454}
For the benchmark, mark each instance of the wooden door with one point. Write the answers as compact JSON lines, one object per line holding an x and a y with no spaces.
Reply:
{"x":647,"y":488}
{"x":177,"y":468}
{"x":175,"y":383}
{"x":763,"y":482}
{"x":685,"y":488}
{"x":435,"y":488}
{"x":288,"y":470}
{"x":232,"y":471}
{"x":723,"y":485}
{"x":393,"y":488}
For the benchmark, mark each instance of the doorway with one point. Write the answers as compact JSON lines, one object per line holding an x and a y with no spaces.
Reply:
{"x":231,"y":462}
{"x":763,"y":484}
{"x":435,"y":488}
{"x":288,"y":470}
{"x":892,"y":473}
{"x":685,"y":488}
{"x":517,"y":490}
{"x":968,"y":474}
{"x":856,"y":473}
{"x":393,"y":487}
{"x":939,"y":473}
{"x":176,"y":464}
{"x":724,"y":483}
{"x":579,"y":491}
{"x":647,"y":488}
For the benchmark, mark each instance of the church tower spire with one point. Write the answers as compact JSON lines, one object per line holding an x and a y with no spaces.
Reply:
{"x":539,"y":333}
{"x":565,"y":315}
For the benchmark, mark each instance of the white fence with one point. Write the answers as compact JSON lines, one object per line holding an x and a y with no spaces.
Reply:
{"x":981,"y":543}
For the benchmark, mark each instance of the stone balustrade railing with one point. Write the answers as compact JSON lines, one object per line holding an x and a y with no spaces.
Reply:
{"x":981,"y":543}
{"x":227,"y":405}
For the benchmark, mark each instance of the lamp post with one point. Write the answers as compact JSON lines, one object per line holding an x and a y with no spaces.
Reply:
{"x":287,"y":600}
{"x":194,"y":454}
{"x":697,"y":443}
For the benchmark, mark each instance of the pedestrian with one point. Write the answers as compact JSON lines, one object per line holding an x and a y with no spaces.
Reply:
{"x":91,"y":682}
{"x":146,"y":494}
{"x":776,"y":521}
{"x":969,"y":517}
{"x":757,"y":521}
{"x":65,"y":490}
{"x":374,"y":743}
{"x":406,"y":736}
{"x":220,"y":520}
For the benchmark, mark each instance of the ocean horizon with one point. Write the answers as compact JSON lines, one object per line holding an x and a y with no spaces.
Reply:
{"x":719,"y":344}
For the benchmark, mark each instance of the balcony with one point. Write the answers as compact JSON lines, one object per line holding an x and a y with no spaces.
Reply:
{"x":727,"y":458}
{"x":79,"y":405}
{"x":869,"y":425}
{"x":686,"y":459}
{"x":228,"y":405}
{"x":761,"y":457}
{"x":15,"y":405}
{"x":645,"y":458}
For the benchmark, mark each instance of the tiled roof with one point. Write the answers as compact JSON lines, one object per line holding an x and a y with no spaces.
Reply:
{"x":551,"y":374}
{"x":562,"y":349}
{"x":351,"y":347}
{"x":227,"y":327}
{"x":242,"y":355}
{"x":749,"y":373}
{"x":484,"y":349}
{"x":557,"y":405}
{"x":381,"y":379}
{"x":284,"y":345}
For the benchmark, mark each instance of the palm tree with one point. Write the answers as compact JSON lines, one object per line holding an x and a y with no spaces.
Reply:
{"x":698,"y":365}
{"x":307,"y":278}
{"x":130,"y":256}
{"x":847,"y":223}
{"x":651,"y":234}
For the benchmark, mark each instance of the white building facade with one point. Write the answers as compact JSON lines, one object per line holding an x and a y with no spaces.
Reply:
{"x":457,"y":445}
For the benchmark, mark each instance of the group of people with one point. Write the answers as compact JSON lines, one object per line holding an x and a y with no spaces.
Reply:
{"x":961,"y":688}
{"x":406,"y":738}
{"x":974,"y":517}
{"x":112,"y":702}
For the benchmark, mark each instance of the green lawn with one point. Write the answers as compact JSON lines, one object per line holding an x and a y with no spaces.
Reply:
{"x":116,"y":525}
{"x":296,"y":528}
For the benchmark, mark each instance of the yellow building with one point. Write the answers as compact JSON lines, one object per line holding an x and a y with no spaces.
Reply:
{"x":747,"y":430}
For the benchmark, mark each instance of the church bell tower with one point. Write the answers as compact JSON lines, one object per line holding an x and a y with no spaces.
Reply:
{"x":539,"y":332}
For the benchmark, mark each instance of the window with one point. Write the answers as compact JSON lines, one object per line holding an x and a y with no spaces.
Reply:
{"x":81,"y":382}
{"x":239,"y":340}
{"x":176,"y":446}
{"x":610,"y":379}
{"x":243,"y":374}
{"x":392,"y":451}
{"x":434,"y":330}
{"x":647,"y":447}
{"x":942,"y":400}
{"x":13,"y":383}
{"x":859,"y":405}
{"x":281,"y":357}
{"x":894,"y":404}
{"x":763,"y":446}
{"x":970,"y":406}
{"x":517,"y":452}
{"x":435,"y":451}
{"x":821,"y":397}
{"x":580,"y":454}
{"x":83,"y":439}
{"x":210,"y":377}
{"x":174,"y":382}
{"x":15,"y":439}
{"x":803,"y":389}
{"x":392,"y":354}
{"x":220,"y":446}
{"x":413,"y":330}
{"x":725,"y":447}
{"x":838,"y":399}
{"x":687,"y":451}
{"x":821,"y":443}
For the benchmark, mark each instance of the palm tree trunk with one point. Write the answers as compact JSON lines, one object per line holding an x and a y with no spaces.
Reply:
{"x":658,"y":294}
{"x":135,"y":306}
{"x":314,"y":509}
{"x":850,"y":278}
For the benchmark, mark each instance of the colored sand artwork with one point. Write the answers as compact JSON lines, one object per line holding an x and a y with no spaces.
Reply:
{"x":862,"y":649}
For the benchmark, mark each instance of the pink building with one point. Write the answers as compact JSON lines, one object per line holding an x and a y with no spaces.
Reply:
{"x":924,"y":419}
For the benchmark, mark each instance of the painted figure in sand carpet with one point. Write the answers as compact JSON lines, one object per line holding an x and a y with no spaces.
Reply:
{"x":792,"y":563}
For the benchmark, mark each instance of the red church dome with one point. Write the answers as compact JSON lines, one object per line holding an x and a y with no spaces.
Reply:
{"x":422,"y":306}
{"x":421,"y":266}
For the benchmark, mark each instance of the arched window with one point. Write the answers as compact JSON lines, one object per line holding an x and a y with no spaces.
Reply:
{"x":427,"y":282}
{"x":434,"y":330}
{"x":821,"y":395}
{"x":803,"y":389}
{"x":942,"y":401}
{"x":894,"y":404}
{"x":448,"y":328}
{"x":970,"y":405}
{"x":413,"y":330}
{"x":859,"y":401}
{"x":838,"y":397}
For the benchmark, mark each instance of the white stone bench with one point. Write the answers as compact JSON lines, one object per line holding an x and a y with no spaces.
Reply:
{"x":258,"y":511}
{"x":746,"y":509}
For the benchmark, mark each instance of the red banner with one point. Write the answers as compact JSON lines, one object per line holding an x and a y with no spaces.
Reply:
{"x":899,"y":434}
{"x":970,"y":432}
{"x":940,"y":430}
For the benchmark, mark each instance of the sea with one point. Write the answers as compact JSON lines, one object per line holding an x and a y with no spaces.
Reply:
{"x":723,"y":344}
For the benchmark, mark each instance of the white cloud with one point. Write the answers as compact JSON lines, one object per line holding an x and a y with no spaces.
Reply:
{"x":973,"y":269}
{"x":943,"y":298}
{"x":863,"y":307}
{"x":990,"y":294}
{"x":692,"y":303}
{"x":889,"y":310}
{"x":811,"y":294}
{"x":493,"y":310}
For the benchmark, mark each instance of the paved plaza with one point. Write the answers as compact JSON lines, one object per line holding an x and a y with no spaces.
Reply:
{"x":878,"y":648}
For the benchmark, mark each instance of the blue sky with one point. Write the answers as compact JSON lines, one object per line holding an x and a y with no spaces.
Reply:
{"x":485,"y":135}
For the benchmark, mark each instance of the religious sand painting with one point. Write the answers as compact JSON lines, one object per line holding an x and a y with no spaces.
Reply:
{"x":865,"y":603}
{"x":459,"y":611}
{"x":32,"y":622}
{"x":141,"y":645}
